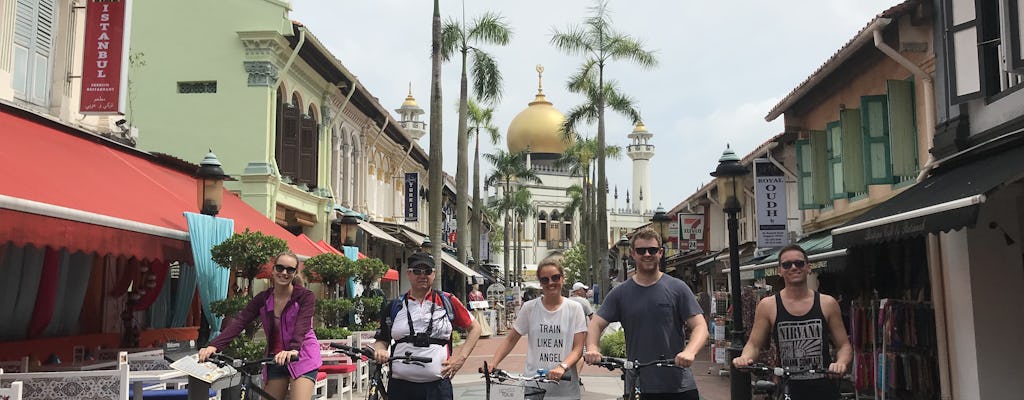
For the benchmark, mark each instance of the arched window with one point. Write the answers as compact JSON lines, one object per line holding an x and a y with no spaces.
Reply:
{"x":567,"y":227}
{"x":309,"y":141}
{"x":542,"y":226}
{"x":554,"y":228}
{"x":286,"y":151}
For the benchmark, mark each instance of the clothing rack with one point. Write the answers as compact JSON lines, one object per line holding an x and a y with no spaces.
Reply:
{"x":893,"y":347}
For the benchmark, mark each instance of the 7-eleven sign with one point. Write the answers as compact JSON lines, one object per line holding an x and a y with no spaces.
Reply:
{"x":691,"y":232}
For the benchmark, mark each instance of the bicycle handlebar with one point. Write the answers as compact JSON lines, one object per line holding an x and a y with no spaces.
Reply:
{"x":369,"y":353}
{"x":502,"y":375}
{"x":780,"y":371}
{"x":612,"y":363}
{"x":222,"y":359}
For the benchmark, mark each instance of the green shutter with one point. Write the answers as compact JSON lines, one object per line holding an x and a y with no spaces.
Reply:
{"x":805,"y":182}
{"x":853,"y":148}
{"x":835,"y":161}
{"x":902,"y":128}
{"x":875,"y":125}
{"x":819,"y":167}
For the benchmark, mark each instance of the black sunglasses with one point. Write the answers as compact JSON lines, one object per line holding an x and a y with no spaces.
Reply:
{"x":544,"y":280}
{"x":649,"y":250}
{"x":794,"y":263}
{"x":282,"y":268}
{"x":421,"y":271}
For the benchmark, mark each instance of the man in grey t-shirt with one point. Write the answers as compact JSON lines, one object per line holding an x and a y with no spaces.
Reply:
{"x":579,"y":295}
{"x":653,"y":308}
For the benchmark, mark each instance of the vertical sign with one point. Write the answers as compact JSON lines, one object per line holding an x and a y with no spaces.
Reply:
{"x":691,"y":232}
{"x":770,"y":192}
{"x":412,"y":196}
{"x":105,"y":58}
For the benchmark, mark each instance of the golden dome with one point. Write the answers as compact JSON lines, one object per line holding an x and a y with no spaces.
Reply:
{"x":409,"y":100}
{"x":640,"y":127}
{"x":538,"y":127}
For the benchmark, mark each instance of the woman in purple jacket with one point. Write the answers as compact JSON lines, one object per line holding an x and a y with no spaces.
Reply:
{"x":286,"y":310}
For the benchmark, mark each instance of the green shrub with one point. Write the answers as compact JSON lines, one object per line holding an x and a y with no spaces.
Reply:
{"x":332,"y":333}
{"x":231,"y":307}
{"x":614,"y":344}
{"x":369,"y":310}
{"x":369,"y":270}
{"x":330,"y":269}
{"x":244,"y":347}
{"x":247,"y":252}
{"x":333,"y":312}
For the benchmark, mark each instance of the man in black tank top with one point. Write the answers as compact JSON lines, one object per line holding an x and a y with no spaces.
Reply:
{"x":803,"y":322}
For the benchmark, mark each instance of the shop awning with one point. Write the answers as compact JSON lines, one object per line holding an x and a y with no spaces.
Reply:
{"x":67,"y":188}
{"x":376,"y":232}
{"x":817,"y":246}
{"x":470,"y":274}
{"x":949,"y":199}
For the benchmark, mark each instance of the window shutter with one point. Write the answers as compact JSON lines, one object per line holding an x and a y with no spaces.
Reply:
{"x":1016,"y":35}
{"x":308,"y":146}
{"x":805,"y":182}
{"x":853,"y":148}
{"x":288,"y":162}
{"x":964,"y":54}
{"x":875,"y":125}
{"x":835,"y":161}
{"x":34,"y":26}
{"x":902,"y":127}
{"x":819,"y":167}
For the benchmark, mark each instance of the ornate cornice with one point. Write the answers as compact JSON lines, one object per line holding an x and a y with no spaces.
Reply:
{"x":261,"y":73}
{"x":264,"y":45}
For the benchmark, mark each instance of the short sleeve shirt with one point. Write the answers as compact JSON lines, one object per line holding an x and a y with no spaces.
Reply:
{"x":550,"y":336}
{"x":654,"y":318}
{"x":587,"y":309}
{"x":424,"y":313}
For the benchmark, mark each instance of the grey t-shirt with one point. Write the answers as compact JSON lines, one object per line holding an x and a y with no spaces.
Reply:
{"x":654,"y":318}
{"x":587,"y":309}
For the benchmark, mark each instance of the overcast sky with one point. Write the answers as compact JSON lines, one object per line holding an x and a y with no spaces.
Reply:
{"x":723,"y":65}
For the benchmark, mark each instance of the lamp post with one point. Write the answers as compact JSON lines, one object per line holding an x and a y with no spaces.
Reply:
{"x":210,"y":185}
{"x":426,"y":246}
{"x":730,"y":175}
{"x":348,"y":229}
{"x":623,"y":246}
{"x":661,"y":222}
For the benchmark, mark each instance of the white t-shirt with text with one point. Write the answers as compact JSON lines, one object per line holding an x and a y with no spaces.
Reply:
{"x":550,"y":335}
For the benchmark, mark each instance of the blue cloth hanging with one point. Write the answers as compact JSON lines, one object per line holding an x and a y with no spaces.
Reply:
{"x":205,"y":232}
{"x":182,"y":302}
{"x":352,"y":253}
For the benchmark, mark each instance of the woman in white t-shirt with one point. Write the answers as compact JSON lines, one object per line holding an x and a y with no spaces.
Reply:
{"x":556,"y":329}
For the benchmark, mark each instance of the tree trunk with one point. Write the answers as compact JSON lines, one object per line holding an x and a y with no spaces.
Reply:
{"x":462,"y":174}
{"x":476,"y":220}
{"x":436,"y":184}
{"x":507,"y":235}
{"x":602,"y":188}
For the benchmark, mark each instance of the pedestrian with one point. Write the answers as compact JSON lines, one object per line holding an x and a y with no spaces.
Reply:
{"x":556,"y":328}
{"x":476,"y":294}
{"x":579,"y":295}
{"x":286,"y":310}
{"x":799,"y":318}
{"x":421,"y":322}
{"x":653,"y":308}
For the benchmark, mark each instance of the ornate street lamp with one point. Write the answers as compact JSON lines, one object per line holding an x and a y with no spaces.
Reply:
{"x":426,"y":246}
{"x":210,"y":185}
{"x":730,"y":176}
{"x":349,"y":223}
{"x":623,"y":246}
{"x":662,"y":221}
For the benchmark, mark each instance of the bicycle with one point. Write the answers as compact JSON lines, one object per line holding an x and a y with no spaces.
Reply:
{"x":632,"y":391}
{"x":378,"y":390}
{"x":531,"y":389}
{"x":773,"y":390}
{"x":238,"y":382}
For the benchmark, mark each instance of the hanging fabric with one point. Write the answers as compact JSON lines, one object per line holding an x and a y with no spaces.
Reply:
{"x":204,"y":233}
{"x":157,"y":313}
{"x":75,"y":271}
{"x":114,"y":304}
{"x":181,"y":303}
{"x":352,"y":253}
{"x":11,"y":269}
{"x":153,"y":283}
{"x":32,"y":273}
{"x":90,"y":320}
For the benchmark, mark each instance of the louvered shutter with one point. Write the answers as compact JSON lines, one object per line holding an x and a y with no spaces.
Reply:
{"x":819,"y":168}
{"x":902,"y":127}
{"x":805,"y":182}
{"x":853,"y":149}
{"x":835,"y":160}
{"x":964,"y":54}
{"x":308,"y":141}
{"x":875,"y":127}
{"x":1016,"y":36}
{"x":34,"y":25}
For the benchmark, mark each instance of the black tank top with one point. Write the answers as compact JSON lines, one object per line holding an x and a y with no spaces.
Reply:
{"x":802,"y":341}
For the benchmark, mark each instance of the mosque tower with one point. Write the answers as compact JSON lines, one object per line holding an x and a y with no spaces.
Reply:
{"x":410,"y":113}
{"x":640,"y":150}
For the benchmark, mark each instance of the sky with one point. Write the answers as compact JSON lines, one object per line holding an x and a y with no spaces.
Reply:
{"x":722,"y":66}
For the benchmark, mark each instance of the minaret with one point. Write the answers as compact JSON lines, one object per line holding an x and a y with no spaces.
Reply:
{"x":640,"y":150}
{"x":410,"y":117}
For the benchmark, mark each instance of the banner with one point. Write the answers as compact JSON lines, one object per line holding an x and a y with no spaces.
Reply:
{"x":105,"y":57}
{"x":412,"y":196}
{"x":691,"y":232}
{"x":770,"y":192}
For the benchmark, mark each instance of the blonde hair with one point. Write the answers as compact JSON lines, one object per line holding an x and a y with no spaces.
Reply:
{"x":551,"y":261}
{"x":298,"y":279}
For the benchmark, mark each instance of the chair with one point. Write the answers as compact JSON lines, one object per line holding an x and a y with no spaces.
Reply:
{"x":320,"y":387}
{"x":96,"y":385}
{"x":341,"y":373}
{"x":11,"y":393}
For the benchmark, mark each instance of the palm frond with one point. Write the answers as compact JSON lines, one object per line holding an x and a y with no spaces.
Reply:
{"x":573,"y":41}
{"x":490,"y":28}
{"x":586,"y":113}
{"x":584,"y":77}
{"x":625,"y":47}
{"x":486,"y":77}
{"x":451,"y":39}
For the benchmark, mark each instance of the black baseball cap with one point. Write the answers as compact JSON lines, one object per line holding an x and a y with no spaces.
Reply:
{"x":421,"y":260}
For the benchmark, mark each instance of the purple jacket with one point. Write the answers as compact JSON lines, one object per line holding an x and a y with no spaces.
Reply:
{"x":296,"y":327}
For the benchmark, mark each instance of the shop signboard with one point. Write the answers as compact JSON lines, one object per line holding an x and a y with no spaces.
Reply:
{"x":770,"y":194}
{"x":105,"y":57}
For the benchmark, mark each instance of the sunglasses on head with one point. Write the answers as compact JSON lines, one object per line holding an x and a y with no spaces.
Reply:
{"x":794,"y":263}
{"x":544,"y":280}
{"x":421,"y":271}
{"x":648,"y":250}
{"x":283,"y":268}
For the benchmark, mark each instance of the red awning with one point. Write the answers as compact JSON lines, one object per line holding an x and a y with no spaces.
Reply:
{"x":73,"y":183}
{"x":391,"y":275}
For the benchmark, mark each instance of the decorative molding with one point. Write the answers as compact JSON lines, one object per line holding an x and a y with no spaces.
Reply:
{"x":261,"y":73}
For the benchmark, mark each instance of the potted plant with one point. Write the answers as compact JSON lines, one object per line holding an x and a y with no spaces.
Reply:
{"x":245,"y":253}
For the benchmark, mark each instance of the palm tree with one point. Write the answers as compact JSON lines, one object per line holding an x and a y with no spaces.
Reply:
{"x":599,"y":43}
{"x":509,"y":169}
{"x":436,"y":185}
{"x":521,"y":205}
{"x":481,"y":119}
{"x":489,"y":28}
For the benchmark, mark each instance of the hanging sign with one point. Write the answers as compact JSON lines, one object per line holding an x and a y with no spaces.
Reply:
{"x":691,"y":232}
{"x":105,"y":57}
{"x":770,"y":192}
{"x":412,"y":196}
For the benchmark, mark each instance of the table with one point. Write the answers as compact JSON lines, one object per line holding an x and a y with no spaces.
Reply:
{"x":86,"y":366}
{"x":137,"y":379}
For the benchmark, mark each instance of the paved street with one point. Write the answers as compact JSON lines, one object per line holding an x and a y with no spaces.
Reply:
{"x":598,"y":383}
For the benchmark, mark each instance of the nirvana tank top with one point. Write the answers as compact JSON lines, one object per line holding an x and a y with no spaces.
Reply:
{"x":803,"y":341}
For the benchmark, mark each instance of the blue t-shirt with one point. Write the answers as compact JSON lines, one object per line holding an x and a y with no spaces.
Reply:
{"x":654,"y":318}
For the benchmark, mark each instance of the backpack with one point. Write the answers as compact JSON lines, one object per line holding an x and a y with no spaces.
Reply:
{"x":396,"y":304}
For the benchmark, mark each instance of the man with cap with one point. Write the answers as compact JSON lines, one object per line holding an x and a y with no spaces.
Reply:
{"x":421,"y":322}
{"x":579,"y":295}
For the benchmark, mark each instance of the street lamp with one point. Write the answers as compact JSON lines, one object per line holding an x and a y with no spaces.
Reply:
{"x":426,"y":246}
{"x":662,"y":222}
{"x":348,"y":228}
{"x":623,"y":246}
{"x":730,"y":176}
{"x":210,"y":185}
